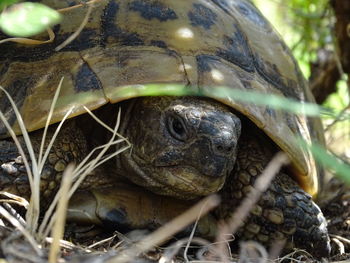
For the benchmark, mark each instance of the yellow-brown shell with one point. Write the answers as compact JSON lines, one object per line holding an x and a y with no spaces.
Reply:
{"x":199,"y":43}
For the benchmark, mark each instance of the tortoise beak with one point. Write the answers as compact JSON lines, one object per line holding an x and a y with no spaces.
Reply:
{"x":200,"y":156}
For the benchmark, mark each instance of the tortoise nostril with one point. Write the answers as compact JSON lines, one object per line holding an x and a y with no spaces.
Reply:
{"x":224,"y":149}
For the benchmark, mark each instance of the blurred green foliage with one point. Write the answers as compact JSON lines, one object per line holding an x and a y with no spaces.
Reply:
{"x":26,"y":19}
{"x":340,"y":99}
{"x":305,"y":25}
{"x":5,"y":3}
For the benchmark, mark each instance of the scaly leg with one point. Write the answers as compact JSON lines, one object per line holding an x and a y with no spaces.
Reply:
{"x":284,"y":211}
{"x":69,"y":146}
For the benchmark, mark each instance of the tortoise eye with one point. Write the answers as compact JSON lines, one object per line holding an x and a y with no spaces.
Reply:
{"x":177,"y":128}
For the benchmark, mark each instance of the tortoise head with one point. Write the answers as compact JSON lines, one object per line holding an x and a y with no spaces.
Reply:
{"x":182,"y":146}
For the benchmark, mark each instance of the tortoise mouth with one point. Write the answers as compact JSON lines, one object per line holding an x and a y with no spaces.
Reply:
{"x":179,"y":181}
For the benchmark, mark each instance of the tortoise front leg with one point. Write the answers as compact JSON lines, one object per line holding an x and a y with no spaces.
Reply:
{"x":124,"y":207}
{"x":69,"y":146}
{"x":284,"y":211}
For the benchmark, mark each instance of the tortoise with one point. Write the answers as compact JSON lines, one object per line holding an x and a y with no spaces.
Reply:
{"x":183,"y":147}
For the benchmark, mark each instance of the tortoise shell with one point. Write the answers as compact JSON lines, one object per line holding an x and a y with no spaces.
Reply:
{"x":129,"y":44}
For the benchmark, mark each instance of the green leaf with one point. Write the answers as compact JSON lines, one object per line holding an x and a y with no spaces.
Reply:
{"x":28,"y":19}
{"x":5,"y":3}
{"x":246,"y":96}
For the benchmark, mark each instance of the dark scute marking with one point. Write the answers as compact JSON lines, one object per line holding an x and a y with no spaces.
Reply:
{"x":291,"y":123}
{"x":237,"y":50}
{"x":130,"y":39}
{"x":202,"y":16}
{"x":223,"y":4}
{"x":203,"y":62}
{"x":153,"y":9}
{"x":159,"y":43}
{"x":4,"y":65}
{"x":271,"y":74}
{"x":110,"y":29}
{"x":86,"y":80}
{"x":15,"y":52}
{"x":87,"y":38}
{"x":251,"y":13}
{"x":246,"y":9}
{"x":18,"y":92}
{"x":206,"y":63}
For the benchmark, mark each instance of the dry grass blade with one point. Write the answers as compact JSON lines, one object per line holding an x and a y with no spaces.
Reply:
{"x":65,"y":244}
{"x":14,"y":213}
{"x":166,"y":231}
{"x":41,"y":160}
{"x":260,"y":186}
{"x":32,"y":172}
{"x":251,"y":251}
{"x":341,"y":247}
{"x":190,"y":239}
{"x":48,"y":120}
{"x":19,"y":200}
{"x":80,"y":173}
{"x":276,"y":249}
{"x":62,"y":10}
{"x":61,"y":213}
{"x":29,"y":41}
{"x":297,"y":256}
{"x":343,"y":239}
{"x":77,"y":32}
{"x":96,"y":244}
{"x":19,"y":226}
{"x":173,"y":249}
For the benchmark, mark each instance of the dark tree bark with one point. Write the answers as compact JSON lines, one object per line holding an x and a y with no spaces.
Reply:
{"x":325,"y":72}
{"x":342,"y":31}
{"x":324,"y":75}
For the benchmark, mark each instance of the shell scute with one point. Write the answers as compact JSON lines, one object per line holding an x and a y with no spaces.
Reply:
{"x":199,"y":43}
{"x":272,"y":74}
{"x":237,"y":50}
{"x":250,"y":12}
{"x":152,"y":10}
{"x":86,"y":80}
{"x":202,"y":16}
{"x":112,"y":33}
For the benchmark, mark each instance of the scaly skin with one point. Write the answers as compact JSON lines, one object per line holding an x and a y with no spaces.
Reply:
{"x":284,"y":211}
{"x":69,"y":147}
